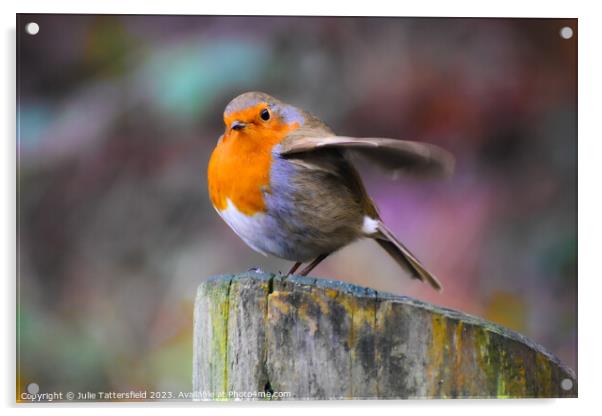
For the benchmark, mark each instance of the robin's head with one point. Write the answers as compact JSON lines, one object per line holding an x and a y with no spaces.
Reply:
{"x":258,"y":113}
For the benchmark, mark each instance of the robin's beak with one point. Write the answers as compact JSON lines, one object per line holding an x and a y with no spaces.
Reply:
{"x":237,"y":125}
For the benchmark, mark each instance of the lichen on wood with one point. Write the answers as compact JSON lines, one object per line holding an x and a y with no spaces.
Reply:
{"x":255,"y":334}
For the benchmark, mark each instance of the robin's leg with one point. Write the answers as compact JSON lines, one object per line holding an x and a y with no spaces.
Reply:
{"x":294,"y":268}
{"x":313,"y":264}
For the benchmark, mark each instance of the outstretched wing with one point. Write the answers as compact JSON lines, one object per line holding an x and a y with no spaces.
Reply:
{"x":394,"y":155}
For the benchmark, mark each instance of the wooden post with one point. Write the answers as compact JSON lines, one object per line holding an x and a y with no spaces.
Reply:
{"x":259,"y":336}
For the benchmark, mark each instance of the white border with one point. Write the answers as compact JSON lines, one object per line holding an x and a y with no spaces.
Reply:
{"x":508,"y":8}
{"x":590,"y":206}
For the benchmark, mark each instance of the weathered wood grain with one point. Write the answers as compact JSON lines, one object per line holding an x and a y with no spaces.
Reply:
{"x":255,"y":334}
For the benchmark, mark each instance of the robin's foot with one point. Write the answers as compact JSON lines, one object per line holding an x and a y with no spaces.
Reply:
{"x":313,"y":264}
{"x":294,"y":268}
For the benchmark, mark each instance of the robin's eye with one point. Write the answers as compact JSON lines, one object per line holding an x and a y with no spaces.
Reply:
{"x":265,"y":114}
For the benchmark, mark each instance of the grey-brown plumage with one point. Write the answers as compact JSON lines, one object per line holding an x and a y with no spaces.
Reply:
{"x":316,"y":201}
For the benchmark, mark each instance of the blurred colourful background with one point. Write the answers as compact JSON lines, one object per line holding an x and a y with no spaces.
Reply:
{"x":117,"y":116}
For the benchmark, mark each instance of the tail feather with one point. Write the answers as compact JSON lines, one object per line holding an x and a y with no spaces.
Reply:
{"x":403,"y":256}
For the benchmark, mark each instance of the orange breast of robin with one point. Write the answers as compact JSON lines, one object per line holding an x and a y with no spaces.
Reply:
{"x":239,"y":168}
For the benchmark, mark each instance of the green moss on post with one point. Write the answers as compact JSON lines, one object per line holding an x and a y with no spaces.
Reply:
{"x":316,"y":339}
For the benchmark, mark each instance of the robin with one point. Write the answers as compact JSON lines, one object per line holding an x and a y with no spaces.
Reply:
{"x":284,"y":182}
